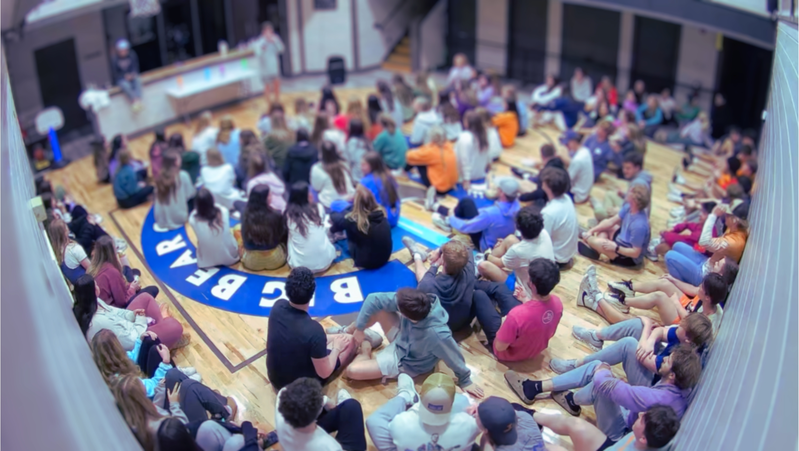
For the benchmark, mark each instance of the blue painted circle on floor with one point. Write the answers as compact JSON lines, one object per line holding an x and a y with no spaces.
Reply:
{"x":171,"y":257}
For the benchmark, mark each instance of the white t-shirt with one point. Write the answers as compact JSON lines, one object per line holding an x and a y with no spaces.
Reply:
{"x":220,"y":181}
{"x":494,"y":143}
{"x":314,"y":250}
{"x":337,"y":137}
{"x":74,"y":255}
{"x":294,"y":440}
{"x":203,"y":141}
{"x":715,"y":319}
{"x":472,"y":162}
{"x":408,"y":432}
{"x":581,"y":172}
{"x":560,"y":221}
{"x":519,"y":256}
{"x":323,"y":184}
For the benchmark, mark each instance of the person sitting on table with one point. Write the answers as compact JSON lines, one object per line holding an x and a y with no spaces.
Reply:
{"x":652,"y":430}
{"x":174,"y":193}
{"x":379,"y":180}
{"x":624,"y":237}
{"x":296,"y":345}
{"x":486,"y":225}
{"x":437,"y":165}
{"x":526,"y":331}
{"x":125,"y":66}
{"x":436,"y":417}
{"x":216,"y":245}
{"x":128,"y":190}
{"x":261,"y":236}
{"x":515,"y":254}
{"x":416,"y":325}
{"x":368,"y":231}
{"x":305,"y":418}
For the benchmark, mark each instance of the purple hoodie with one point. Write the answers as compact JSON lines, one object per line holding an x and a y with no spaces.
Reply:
{"x":640,"y":399}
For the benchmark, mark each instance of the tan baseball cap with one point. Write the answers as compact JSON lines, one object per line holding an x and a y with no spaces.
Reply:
{"x":437,"y":395}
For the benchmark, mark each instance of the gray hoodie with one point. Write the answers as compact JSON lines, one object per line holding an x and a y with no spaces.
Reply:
{"x":423,"y":122}
{"x":420,"y":345}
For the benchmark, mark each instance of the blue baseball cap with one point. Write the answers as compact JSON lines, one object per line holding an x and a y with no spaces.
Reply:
{"x":499,"y":419}
{"x":569,"y":135}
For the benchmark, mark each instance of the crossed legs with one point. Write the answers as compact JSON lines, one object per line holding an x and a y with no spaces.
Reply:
{"x":489,"y":268}
{"x":364,"y":367}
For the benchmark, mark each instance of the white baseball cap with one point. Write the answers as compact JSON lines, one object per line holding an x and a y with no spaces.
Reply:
{"x":437,"y":396}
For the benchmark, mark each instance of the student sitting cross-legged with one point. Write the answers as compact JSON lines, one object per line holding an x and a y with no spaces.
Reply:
{"x":618,"y":403}
{"x":652,"y":430}
{"x":368,"y":231}
{"x":296,"y":345}
{"x":529,"y":327}
{"x":416,"y":325}
{"x":485,"y":225}
{"x":462,"y":296}
{"x":514,"y":254}
{"x":624,"y":237}
{"x":305,"y":418}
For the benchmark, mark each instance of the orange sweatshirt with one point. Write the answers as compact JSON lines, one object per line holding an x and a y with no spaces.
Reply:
{"x":507,"y":124}
{"x":442,"y":166}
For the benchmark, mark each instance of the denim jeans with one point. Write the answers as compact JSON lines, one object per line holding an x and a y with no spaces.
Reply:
{"x":212,"y":436}
{"x":685,"y":264}
{"x":378,"y":423}
{"x":131,"y":88}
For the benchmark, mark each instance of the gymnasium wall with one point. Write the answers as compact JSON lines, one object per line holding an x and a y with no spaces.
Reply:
{"x":57,"y":396}
{"x":93,"y":66}
{"x":747,"y":397}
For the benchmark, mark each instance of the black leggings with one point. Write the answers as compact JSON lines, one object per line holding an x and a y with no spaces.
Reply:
{"x":138,"y":198}
{"x":347,"y":420}
{"x":149,"y":359}
{"x":425,"y":179}
{"x":195,"y":398}
{"x":466,"y":209}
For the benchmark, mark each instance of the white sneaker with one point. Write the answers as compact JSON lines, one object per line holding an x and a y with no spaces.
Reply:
{"x":673,"y":188}
{"x":677,"y":212}
{"x":616,"y":303}
{"x":430,"y":199}
{"x":441,"y":222}
{"x":585,"y":297}
{"x":196,"y":377}
{"x":590,"y":273}
{"x":651,"y":254}
{"x":188,"y":370}
{"x":674,"y":197}
{"x":679,"y":179}
{"x":405,"y":386}
{"x":413,"y":247}
{"x":342,"y":396}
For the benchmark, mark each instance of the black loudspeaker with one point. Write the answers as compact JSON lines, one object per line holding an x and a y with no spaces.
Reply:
{"x":336,"y":70}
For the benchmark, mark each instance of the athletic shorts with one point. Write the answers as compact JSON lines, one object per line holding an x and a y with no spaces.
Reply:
{"x":387,"y":359}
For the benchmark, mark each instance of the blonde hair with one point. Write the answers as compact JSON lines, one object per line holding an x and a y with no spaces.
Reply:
{"x":455,"y":255}
{"x":104,"y":252}
{"x":388,"y":123}
{"x":640,"y":195}
{"x":363,"y":204}
{"x":226,"y":128}
{"x":110,"y":358}
{"x":436,"y":135}
{"x":215,"y":157}
{"x":59,"y":238}
{"x":135,"y":407}
{"x":355,"y":109}
{"x":204,"y":121}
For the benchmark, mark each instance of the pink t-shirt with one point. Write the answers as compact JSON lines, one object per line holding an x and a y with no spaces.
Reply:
{"x":528,"y":329}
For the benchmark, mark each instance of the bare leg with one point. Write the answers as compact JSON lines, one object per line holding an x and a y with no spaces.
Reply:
{"x":276,"y":89}
{"x":584,"y":436}
{"x":501,"y":248}
{"x":662,"y":248}
{"x":596,"y":243}
{"x":419,"y":269}
{"x":347,"y":353}
{"x":652,"y":286}
{"x":492,"y":272}
{"x":666,"y":306}
{"x":364,"y":367}
{"x":611,"y":314}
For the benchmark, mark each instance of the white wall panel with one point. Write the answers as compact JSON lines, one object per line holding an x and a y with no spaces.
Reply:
{"x":492,"y":35}
{"x":697,"y":63}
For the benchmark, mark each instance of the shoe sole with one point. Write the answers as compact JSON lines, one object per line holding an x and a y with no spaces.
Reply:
{"x":586,"y":343}
{"x":625,"y":291}
{"x":556,"y":371}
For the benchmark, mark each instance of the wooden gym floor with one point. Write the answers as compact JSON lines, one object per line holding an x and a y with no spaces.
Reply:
{"x":229,"y":349}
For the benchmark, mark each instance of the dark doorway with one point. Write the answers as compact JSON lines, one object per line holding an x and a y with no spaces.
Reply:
{"x":656,"y":49}
{"x":462,"y":29}
{"x":245,"y":20}
{"x":744,"y":73}
{"x":212,"y":23}
{"x":178,"y":31}
{"x":527,"y":38}
{"x":59,"y":82}
{"x":590,"y":41}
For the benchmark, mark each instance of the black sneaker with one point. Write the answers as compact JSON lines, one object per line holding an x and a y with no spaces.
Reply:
{"x":524,"y":175}
{"x":565,"y":399}
{"x":587,"y":251}
{"x":623,"y":287}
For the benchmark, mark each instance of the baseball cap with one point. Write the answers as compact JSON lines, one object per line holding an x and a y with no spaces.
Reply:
{"x":509,"y":186}
{"x":499,"y":419}
{"x":437,"y":395}
{"x":123,"y":44}
{"x":569,"y":135}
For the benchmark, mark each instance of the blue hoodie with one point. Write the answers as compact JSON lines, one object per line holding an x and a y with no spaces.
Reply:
{"x":419,"y":345}
{"x":495,"y":221}
{"x":375,"y":185}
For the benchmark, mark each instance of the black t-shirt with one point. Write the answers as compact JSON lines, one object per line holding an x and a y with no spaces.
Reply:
{"x":292,"y":340}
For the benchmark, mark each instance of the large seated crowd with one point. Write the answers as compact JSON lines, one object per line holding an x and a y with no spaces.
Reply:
{"x":328,"y":171}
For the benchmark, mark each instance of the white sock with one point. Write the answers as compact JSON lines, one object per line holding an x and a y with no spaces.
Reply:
{"x":417,"y":256}
{"x":407,"y":396}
